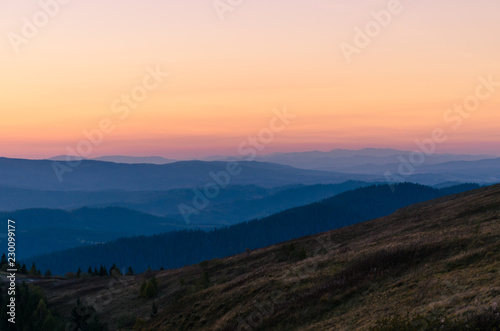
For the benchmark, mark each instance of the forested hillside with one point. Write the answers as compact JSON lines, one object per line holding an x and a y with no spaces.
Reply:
{"x":176,"y":249}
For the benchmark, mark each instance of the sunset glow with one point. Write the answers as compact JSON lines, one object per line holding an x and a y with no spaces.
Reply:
{"x":225,"y":77}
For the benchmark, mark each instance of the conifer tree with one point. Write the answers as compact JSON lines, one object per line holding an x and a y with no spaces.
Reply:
{"x":33,"y":271}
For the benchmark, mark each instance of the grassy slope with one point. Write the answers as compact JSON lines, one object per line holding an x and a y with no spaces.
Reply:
{"x":440,"y":256}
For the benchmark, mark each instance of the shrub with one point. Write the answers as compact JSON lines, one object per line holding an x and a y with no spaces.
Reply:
{"x":149,"y":288}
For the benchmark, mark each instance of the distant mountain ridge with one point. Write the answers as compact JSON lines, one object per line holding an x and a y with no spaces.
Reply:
{"x":370,"y":165}
{"x":118,"y":159}
{"x":336,"y":159}
{"x":235,"y":201}
{"x":98,"y":175}
{"x":345,"y":160}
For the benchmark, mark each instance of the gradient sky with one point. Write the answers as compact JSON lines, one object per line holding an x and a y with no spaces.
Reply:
{"x":226,"y":76}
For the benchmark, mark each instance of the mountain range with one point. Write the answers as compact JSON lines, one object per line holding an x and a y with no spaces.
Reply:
{"x":433,"y":264}
{"x":344,"y":159}
{"x":99,"y":175}
{"x":170,"y":249}
{"x":118,"y":159}
{"x":46,"y":230}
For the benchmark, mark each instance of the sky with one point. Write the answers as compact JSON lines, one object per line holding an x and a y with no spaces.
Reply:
{"x":354,"y":74}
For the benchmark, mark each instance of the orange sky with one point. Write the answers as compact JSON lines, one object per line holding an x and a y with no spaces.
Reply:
{"x":226,"y":76}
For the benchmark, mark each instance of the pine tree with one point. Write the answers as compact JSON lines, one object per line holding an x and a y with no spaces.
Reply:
{"x":150,"y":290}
{"x":114,"y":270}
{"x":33,"y":271}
